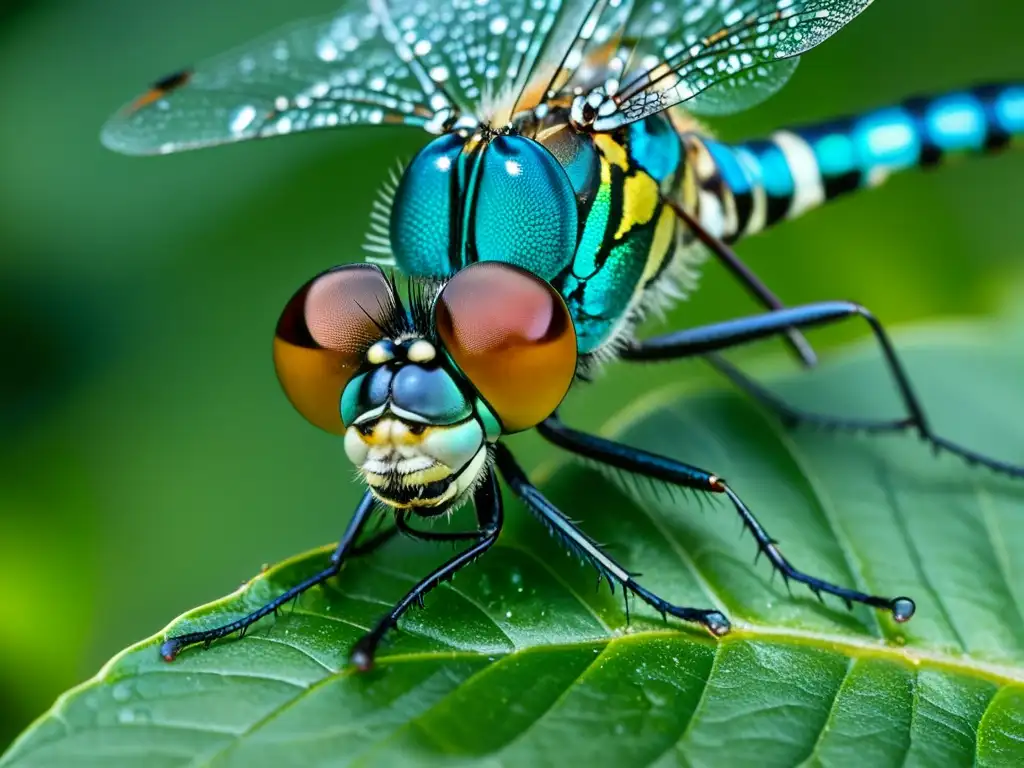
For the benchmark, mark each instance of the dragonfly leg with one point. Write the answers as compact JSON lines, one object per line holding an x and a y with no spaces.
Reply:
{"x":754,"y":285}
{"x":795,"y":416}
{"x":346,"y":547}
{"x":581,"y":544}
{"x":402,"y":524}
{"x":731,"y":333}
{"x":640,"y":462}
{"x":490,"y":517}
{"x":372,"y":544}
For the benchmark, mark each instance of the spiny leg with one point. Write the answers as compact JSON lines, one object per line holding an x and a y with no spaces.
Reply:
{"x":346,"y":547}
{"x":490,"y":516}
{"x":797,"y":341}
{"x":581,"y":544}
{"x":732,"y":333}
{"x":795,"y":416}
{"x":372,"y":544}
{"x":402,"y":524}
{"x":657,"y":467}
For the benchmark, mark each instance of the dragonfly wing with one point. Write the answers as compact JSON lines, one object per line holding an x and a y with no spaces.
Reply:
{"x":422,"y":63}
{"x":746,"y":89}
{"x":634,"y":58}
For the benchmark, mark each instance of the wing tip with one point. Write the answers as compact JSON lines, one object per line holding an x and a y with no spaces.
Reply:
{"x":116,"y":136}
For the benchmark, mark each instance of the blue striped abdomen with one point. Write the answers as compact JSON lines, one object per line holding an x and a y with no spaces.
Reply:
{"x":798,"y":169}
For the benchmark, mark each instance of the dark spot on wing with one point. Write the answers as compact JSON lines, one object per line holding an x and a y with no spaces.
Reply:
{"x":172,"y":82}
{"x":161,"y":88}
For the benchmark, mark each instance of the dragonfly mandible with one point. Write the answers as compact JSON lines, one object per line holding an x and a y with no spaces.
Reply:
{"x":569,"y":190}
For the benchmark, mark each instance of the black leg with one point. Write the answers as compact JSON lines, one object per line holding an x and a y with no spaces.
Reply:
{"x":489,"y":514}
{"x":174,"y":645}
{"x":732,"y":333}
{"x":581,"y":544}
{"x":792,"y":416}
{"x":372,"y":544}
{"x":651,"y":465}
{"x":402,"y":524}
{"x":797,"y":341}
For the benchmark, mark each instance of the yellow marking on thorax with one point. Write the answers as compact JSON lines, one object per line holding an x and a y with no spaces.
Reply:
{"x":640,"y":197}
{"x":661,"y":245}
{"x":611,"y":151}
{"x":639,"y":191}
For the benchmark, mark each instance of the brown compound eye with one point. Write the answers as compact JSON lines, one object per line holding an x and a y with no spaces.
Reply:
{"x":511,"y":335}
{"x":322,"y":338}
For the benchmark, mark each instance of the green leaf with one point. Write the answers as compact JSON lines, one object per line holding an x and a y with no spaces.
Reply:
{"x":521,"y":661}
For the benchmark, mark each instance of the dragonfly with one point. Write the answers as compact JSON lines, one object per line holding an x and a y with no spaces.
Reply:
{"x":566,"y":191}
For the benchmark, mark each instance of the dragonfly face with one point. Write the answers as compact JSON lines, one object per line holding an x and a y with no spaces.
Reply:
{"x":421,"y":391}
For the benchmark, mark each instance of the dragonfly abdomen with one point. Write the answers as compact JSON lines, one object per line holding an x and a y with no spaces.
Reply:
{"x":759,"y":183}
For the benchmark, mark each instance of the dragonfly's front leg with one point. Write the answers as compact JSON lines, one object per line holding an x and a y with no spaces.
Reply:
{"x":668,"y":470}
{"x":490,"y":516}
{"x":707,"y":339}
{"x":347,"y":547}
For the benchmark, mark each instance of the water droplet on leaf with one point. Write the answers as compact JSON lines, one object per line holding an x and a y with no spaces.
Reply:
{"x":122,"y":692}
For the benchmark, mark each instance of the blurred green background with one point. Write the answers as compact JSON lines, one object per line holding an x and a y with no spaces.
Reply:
{"x":148,"y":461}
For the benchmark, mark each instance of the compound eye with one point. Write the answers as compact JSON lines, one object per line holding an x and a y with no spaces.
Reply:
{"x":511,"y":335}
{"x":324,"y":334}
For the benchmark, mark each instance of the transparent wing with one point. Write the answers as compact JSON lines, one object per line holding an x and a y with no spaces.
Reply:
{"x":633,"y":58}
{"x":423,"y":63}
{"x":746,"y":89}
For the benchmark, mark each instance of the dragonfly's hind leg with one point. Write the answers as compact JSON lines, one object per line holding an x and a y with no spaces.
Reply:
{"x":640,"y":462}
{"x":706,"y":339}
{"x":581,"y":544}
{"x":795,"y":416}
{"x":745,"y":276}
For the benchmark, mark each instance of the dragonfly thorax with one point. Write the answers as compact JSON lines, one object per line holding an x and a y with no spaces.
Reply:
{"x":484,"y":196}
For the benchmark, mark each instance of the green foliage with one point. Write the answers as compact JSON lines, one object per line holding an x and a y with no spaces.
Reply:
{"x":521,"y":661}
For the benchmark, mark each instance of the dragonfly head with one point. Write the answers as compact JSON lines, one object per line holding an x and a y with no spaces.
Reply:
{"x":484,"y":196}
{"x":421,"y":391}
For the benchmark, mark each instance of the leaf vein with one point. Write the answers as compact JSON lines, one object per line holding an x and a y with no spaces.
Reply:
{"x":914,"y":554}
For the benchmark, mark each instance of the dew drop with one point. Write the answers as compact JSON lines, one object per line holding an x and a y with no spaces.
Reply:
{"x":498,"y":25}
{"x":508,"y":614}
{"x":122,"y":692}
{"x":242,"y":118}
{"x":655,"y":695}
{"x":132,"y":716}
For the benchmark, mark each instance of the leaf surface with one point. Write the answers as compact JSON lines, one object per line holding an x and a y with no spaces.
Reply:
{"x":522,"y":661}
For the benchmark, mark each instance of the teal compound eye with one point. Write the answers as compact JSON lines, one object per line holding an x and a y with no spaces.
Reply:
{"x":422,"y":226}
{"x":497,"y":198}
{"x":525,"y":211}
